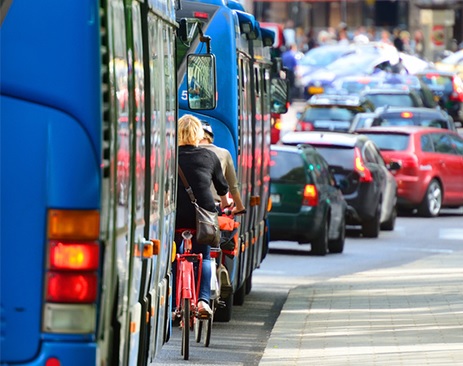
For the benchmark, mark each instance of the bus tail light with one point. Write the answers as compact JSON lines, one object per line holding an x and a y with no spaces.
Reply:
{"x":74,"y":256}
{"x":71,"y":279}
{"x":69,"y":318}
{"x":63,"y":287}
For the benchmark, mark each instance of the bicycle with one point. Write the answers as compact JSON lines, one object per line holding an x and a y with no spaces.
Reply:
{"x":216,"y":259}
{"x":187,"y":288}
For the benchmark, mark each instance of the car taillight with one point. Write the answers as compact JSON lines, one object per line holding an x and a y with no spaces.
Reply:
{"x":360,"y":168}
{"x":304,"y":126}
{"x":276,"y":122}
{"x":71,"y":278}
{"x":457,"y":93}
{"x":310,"y":195}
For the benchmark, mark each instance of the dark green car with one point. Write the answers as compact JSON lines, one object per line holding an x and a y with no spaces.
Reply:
{"x":307,"y":205}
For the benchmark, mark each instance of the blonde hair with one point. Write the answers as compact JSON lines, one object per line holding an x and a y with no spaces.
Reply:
{"x":190,"y":130}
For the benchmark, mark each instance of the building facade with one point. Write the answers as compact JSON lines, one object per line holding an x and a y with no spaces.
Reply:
{"x":429,"y":16}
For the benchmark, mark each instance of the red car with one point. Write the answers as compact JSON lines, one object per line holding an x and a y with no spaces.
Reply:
{"x":431,"y":173}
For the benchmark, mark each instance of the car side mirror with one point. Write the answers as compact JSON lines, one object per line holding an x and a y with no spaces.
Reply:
{"x":279,"y":91}
{"x":394,"y":165}
{"x":201,"y":78}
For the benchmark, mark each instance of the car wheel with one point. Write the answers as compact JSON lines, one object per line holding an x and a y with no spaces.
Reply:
{"x":432,"y":201}
{"x":320,"y":244}
{"x":337,"y":245}
{"x":371,"y":228}
{"x":389,"y":224}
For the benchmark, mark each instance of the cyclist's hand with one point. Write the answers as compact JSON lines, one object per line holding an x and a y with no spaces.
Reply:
{"x":236,"y":212}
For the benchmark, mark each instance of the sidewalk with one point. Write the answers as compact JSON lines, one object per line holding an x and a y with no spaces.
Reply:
{"x":407,"y":315}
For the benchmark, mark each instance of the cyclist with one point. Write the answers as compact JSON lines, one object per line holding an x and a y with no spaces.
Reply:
{"x":228,"y":168}
{"x":201,"y":168}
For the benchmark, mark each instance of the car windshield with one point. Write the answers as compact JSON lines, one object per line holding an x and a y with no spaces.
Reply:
{"x":356,"y":86}
{"x":328,"y":113}
{"x":321,"y":56}
{"x":337,"y":155}
{"x":393,"y":100}
{"x":426,"y":121}
{"x":389,"y":141}
{"x":353,"y":64}
{"x":287,"y":167}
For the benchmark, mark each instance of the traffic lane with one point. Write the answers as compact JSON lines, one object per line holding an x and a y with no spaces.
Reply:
{"x":413,"y":237}
{"x":243,"y":340}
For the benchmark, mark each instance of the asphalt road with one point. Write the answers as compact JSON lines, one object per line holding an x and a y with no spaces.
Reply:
{"x":243,"y":340}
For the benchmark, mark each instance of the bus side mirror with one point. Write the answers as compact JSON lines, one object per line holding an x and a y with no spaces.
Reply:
{"x":201,"y":79}
{"x":279,"y":91}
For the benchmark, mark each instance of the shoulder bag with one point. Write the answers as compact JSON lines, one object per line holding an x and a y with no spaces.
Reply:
{"x":207,"y":222}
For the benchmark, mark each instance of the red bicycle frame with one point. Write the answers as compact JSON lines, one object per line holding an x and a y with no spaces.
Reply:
{"x":186,"y":287}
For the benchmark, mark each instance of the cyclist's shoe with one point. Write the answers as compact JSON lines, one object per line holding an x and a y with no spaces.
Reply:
{"x":175,"y":319}
{"x":204,"y":310}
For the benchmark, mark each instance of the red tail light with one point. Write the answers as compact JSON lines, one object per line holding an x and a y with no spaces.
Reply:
{"x":65,"y":287}
{"x":310,"y":195}
{"x":276,"y":121}
{"x":457,"y":93}
{"x":73,"y":256}
{"x":304,"y":126}
{"x":361,"y":169}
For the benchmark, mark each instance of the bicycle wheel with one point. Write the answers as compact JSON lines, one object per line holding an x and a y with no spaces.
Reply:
{"x":186,"y":329}
{"x":198,"y":330}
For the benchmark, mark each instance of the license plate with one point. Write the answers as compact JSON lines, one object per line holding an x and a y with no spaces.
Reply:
{"x":275,"y":198}
{"x":315,"y":90}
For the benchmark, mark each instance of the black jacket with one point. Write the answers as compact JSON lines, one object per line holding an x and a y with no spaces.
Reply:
{"x":201,"y":167}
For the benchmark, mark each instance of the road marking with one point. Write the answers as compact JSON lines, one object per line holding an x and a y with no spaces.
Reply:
{"x":427,"y":250}
{"x":451,"y":234}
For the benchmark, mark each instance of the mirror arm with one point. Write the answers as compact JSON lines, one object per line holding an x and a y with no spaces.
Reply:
{"x":204,"y":39}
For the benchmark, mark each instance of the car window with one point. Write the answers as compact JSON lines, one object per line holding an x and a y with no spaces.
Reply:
{"x":421,"y":119}
{"x":443,"y":143}
{"x":434,"y":123}
{"x":337,"y":155}
{"x":287,"y":167}
{"x":457,"y":142}
{"x":389,"y":141}
{"x":328,"y":113}
{"x":393,"y":100}
{"x":426,"y":143}
{"x":321,"y":170}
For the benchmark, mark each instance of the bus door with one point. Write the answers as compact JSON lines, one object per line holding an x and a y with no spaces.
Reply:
{"x":266,"y":141}
{"x":261,"y":167}
{"x":125,"y":269}
{"x":163,"y":145}
{"x":245,"y":159}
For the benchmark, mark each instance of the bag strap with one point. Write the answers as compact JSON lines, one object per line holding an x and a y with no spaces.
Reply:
{"x":187,"y":186}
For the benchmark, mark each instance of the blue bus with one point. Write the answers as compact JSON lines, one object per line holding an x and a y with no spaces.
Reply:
{"x":240,"y":120}
{"x":89,"y":174}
